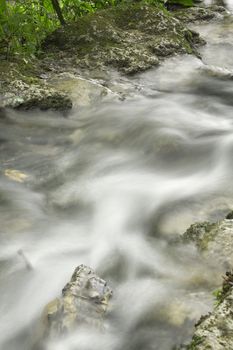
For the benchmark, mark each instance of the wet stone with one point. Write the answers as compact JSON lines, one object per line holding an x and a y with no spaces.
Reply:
{"x":214,"y":240}
{"x":214,"y":330}
{"x":84,"y":300}
{"x":20,"y":95}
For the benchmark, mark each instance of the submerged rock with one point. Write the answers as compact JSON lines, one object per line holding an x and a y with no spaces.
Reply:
{"x":84,"y":300}
{"x":131,"y":38}
{"x":217,"y":72}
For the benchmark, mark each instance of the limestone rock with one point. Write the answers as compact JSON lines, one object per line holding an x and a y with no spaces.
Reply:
{"x":84,"y":300}
{"x":20,"y":95}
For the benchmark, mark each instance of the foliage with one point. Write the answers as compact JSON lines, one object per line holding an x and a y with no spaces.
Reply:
{"x":72,"y":9}
{"x":25,"y":23}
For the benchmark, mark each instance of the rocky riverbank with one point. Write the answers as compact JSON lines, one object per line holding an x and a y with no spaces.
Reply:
{"x":129,"y":38}
{"x":215,"y":241}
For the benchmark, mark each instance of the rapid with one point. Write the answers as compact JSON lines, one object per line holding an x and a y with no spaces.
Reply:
{"x":112,"y":186}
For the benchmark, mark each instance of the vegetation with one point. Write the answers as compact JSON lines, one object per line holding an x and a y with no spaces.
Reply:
{"x":25,"y":23}
{"x":194,"y":343}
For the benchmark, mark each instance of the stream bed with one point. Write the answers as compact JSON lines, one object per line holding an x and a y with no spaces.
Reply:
{"x":111,"y":186}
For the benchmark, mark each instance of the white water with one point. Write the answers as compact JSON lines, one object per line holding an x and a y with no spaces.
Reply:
{"x":110,"y":187}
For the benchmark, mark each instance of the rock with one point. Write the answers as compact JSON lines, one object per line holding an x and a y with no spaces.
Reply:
{"x":84,"y":300}
{"x":15,"y":175}
{"x":230,"y":215}
{"x":200,"y":14}
{"x":21,"y":89}
{"x":83,"y":92}
{"x":217,"y":72}
{"x":214,"y":331}
{"x":129,"y":37}
{"x":221,"y":3}
{"x":20,"y":95}
{"x":214,"y":240}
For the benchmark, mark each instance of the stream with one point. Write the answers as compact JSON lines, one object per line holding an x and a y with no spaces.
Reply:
{"x":112,"y":186}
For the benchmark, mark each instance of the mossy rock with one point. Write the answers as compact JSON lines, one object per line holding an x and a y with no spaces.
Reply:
{"x":214,"y":330}
{"x":201,"y":234}
{"x":130,"y":38}
{"x":213,"y":240}
{"x":21,"y":88}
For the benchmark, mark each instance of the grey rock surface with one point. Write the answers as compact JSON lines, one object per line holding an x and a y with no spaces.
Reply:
{"x":84,"y":300}
{"x":20,"y":95}
{"x":200,"y":14}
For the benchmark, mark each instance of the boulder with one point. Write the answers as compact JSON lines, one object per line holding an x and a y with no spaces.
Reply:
{"x":214,"y":240}
{"x":84,"y":301}
{"x":129,"y":37}
{"x":20,"y":95}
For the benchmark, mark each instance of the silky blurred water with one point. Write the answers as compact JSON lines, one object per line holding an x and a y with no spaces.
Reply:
{"x":111,"y":186}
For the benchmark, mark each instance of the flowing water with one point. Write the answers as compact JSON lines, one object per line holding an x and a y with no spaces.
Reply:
{"x":111,"y":186}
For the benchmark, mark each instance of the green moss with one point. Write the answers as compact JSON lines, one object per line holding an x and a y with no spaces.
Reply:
{"x":219,"y":296}
{"x":201,"y":234}
{"x":196,"y":340}
{"x":25,"y":70}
